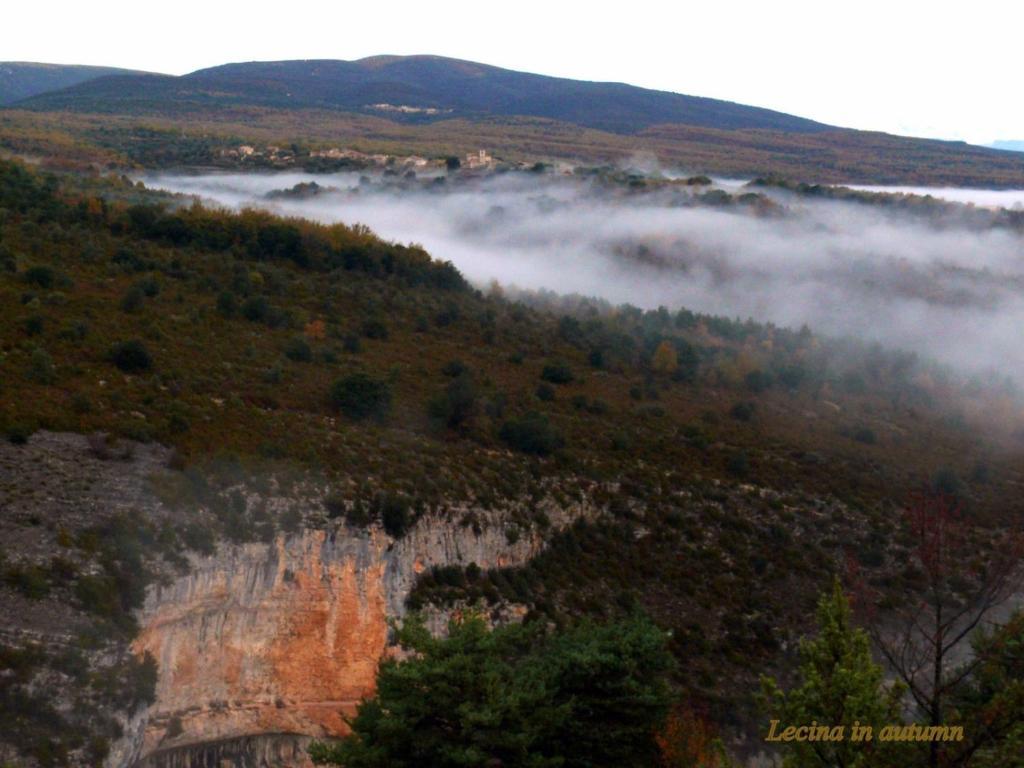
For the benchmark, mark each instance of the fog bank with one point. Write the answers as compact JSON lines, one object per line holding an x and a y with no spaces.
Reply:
{"x":952,"y":292}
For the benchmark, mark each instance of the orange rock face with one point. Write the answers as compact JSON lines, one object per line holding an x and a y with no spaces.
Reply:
{"x":256,"y":644}
{"x":284,"y":639}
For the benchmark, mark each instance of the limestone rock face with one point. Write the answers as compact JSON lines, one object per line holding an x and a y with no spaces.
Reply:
{"x":284,"y":638}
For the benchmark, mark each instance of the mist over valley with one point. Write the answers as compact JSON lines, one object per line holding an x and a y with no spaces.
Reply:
{"x":933,"y":282}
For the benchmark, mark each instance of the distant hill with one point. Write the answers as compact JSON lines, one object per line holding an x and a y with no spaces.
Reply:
{"x":439,"y":106}
{"x":414,"y":89}
{"x":22,"y":79}
{"x":1011,"y":145}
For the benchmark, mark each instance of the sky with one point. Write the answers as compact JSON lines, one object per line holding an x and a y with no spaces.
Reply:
{"x":940,"y":69}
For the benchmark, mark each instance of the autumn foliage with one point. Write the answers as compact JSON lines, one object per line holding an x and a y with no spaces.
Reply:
{"x":690,"y":740}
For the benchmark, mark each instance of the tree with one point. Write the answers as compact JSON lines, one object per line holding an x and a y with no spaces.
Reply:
{"x":840,"y":685}
{"x":131,"y":356}
{"x":962,"y":580}
{"x":991,"y":702}
{"x":457,"y":404}
{"x":689,"y":740}
{"x":517,"y":695}
{"x":360,"y":396}
{"x":532,"y":433}
{"x":664,"y":360}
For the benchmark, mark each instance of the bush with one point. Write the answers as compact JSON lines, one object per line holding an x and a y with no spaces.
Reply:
{"x":396,"y":516}
{"x":256,"y":309}
{"x":131,"y":356}
{"x":375,"y":329}
{"x":758,"y":381}
{"x":30,"y":580}
{"x":557,"y":373}
{"x":44,"y":277}
{"x":457,"y":404}
{"x":454,"y":368}
{"x":360,"y":396}
{"x":132,"y":299}
{"x":34,"y":325}
{"x":546,"y":392}
{"x":351,"y":343}
{"x":738,"y":464}
{"x":742,"y":411}
{"x":298,"y":350}
{"x":864,"y":435}
{"x":334,"y":503}
{"x":149,"y":287}
{"x":227,"y":304}
{"x":18,"y":434}
{"x":533,"y":434}
{"x":41,"y":369}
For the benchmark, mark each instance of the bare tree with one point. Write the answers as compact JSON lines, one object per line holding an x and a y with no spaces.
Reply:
{"x":965,"y":573}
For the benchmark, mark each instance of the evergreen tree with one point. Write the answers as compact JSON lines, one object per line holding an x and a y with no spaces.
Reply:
{"x":515,"y":696}
{"x":839,"y":685}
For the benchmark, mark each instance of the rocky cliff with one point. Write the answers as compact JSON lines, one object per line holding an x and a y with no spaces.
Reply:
{"x":263,"y":643}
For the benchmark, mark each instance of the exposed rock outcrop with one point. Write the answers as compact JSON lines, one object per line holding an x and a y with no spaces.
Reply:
{"x":285,"y":638}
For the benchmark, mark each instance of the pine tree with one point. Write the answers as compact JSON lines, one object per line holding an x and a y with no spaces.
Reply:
{"x":839,"y":685}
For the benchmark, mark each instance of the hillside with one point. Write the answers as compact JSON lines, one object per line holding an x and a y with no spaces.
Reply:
{"x":65,"y":140}
{"x":436,"y":106}
{"x":22,"y":80}
{"x":414,"y":88}
{"x":341,"y":429}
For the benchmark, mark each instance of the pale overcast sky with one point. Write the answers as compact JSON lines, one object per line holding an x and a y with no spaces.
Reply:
{"x":941,"y":69}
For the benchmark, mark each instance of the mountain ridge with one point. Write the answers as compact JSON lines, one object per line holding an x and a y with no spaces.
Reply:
{"x":25,"y":79}
{"x":453,"y":87}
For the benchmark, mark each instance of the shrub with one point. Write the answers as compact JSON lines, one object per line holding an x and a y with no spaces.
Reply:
{"x":738,"y":464}
{"x":396,"y":515}
{"x":44,"y":277}
{"x":758,"y":381}
{"x":864,"y":435}
{"x":334,"y":503}
{"x":131,"y":356}
{"x":256,"y":309}
{"x":454,"y":368}
{"x":41,"y":369}
{"x":457,"y":404}
{"x":30,"y":580}
{"x":149,"y":287}
{"x":298,"y":350}
{"x":531,"y":433}
{"x":450,"y":314}
{"x":227,"y":304}
{"x":742,"y":411}
{"x":18,"y":434}
{"x":34,"y":325}
{"x":545,"y":392}
{"x":360,"y":396}
{"x":375,"y":329}
{"x":132,"y":299}
{"x":557,"y":373}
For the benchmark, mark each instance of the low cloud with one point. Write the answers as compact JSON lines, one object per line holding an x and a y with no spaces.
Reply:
{"x":945,"y":289}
